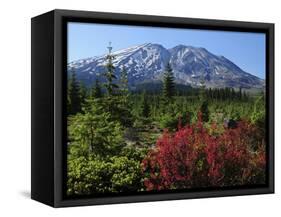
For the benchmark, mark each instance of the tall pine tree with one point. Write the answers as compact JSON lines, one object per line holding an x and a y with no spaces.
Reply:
{"x":168,"y":84}
{"x":96,"y":90}
{"x":74,"y":94}
{"x":240,"y":93}
{"x":145,"y":108}
{"x":110,"y":76}
{"x":124,"y":81}
{"x":83,"y":93}
{"x":204,"y":108}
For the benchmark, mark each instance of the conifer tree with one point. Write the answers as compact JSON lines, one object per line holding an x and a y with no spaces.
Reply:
{"x":205,"y":111}
{"x":74,"y":95}
{"x":145,"y":109}
{"x":168,"y":84}
{"x":240,"y":93}
{"x":94,"y":130}
{"x":233,"y":94}
{"x":115,"y":104}
{"x":245,"y":96}
{"x":110,"y":84}
{"x":124,"y":81}
{"x":96,"y":90}
{"x":204,"y":102}
{"x":83,"y":93}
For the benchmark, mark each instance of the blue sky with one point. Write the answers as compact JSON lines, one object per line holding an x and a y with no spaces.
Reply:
{"x":247,"y":50}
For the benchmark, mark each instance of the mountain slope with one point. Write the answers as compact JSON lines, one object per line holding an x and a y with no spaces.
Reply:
{"x":191,"y":65}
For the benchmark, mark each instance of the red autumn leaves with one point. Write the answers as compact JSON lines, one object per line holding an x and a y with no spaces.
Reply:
{"x":198,"y":156}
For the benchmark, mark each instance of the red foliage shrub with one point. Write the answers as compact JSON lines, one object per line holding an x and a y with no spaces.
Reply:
{"x":195,"y":157}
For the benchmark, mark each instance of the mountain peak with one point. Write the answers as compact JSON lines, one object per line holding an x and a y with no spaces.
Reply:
{"x":146,"y":63}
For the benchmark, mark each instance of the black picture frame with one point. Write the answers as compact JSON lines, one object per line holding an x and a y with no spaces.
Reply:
{"x":48,"y":70}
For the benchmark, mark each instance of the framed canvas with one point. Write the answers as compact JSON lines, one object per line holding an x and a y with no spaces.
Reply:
{"x":134,"y":108}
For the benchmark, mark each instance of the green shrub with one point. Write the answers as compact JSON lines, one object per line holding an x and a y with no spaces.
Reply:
{"x":93,"y":175}
{"x":96,"y":131}
{"x":168,"y":121}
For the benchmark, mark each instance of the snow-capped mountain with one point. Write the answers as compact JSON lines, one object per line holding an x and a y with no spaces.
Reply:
{"x":146,"y":63}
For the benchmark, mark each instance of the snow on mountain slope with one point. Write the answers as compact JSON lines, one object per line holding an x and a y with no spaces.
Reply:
{"x":191,"y":65}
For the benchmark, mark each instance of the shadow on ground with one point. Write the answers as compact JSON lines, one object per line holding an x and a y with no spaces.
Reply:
{"x":25,"y":194}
